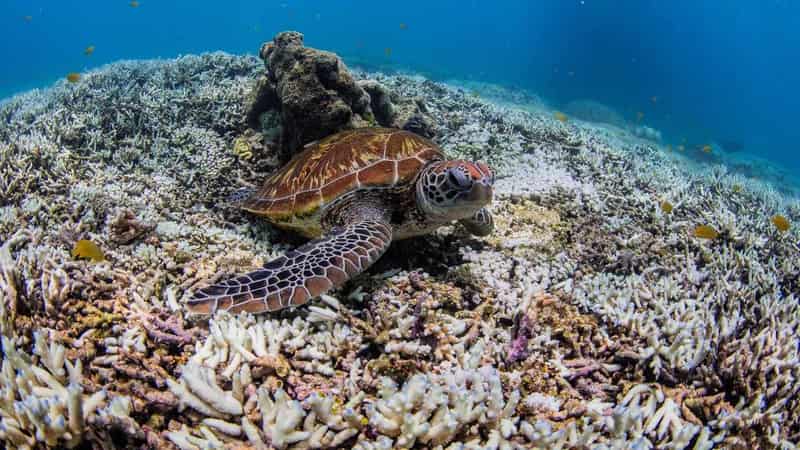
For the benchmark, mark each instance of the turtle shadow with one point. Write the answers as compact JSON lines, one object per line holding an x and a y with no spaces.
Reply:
{"x":434,"y":254}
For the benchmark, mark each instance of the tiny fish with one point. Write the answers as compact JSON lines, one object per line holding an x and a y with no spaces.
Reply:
{"x":134,"y":4}
{"x":571,"y":73}
{"x":705,"y":232}
{"x":736,"y":188}
{"x":88,"y":50}
{"x":73,"y":77}
{"x":706,"y":148}
{"x":403,"y":26}
{"x":780,"y":222}
{"x":88,"y":249}
{"x":27,"y":18}
{"x":387,"y":51}
{"x":639,"y":116}
{"x":654,"y":99}
{"x":681,"y":148}
{"x":666,"y":207}
{"x":561,"y":117}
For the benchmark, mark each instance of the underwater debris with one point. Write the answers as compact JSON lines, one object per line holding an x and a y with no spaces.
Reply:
{"x":85,"y":248}
{"x":705,"y":232}
{"x":73,"y":77}
{"x":780,"y":222}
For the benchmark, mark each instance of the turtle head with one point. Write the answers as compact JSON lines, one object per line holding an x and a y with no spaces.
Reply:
{"x":453,"y":190}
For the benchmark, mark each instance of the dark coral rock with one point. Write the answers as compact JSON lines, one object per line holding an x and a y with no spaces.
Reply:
{"x":314,"y":91}
{"x":380,"y":101}
{"x":395,"y":112}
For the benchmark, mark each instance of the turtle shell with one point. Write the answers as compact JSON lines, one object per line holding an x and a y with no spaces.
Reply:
{"x":341,"y":163}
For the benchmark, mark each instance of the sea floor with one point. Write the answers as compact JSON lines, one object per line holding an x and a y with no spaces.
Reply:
{"x":593,"y":316}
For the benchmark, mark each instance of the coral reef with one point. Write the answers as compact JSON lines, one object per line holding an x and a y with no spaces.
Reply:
{"x":591,"y":318}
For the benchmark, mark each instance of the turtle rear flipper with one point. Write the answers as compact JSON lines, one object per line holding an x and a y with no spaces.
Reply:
{"x":301,"y":274}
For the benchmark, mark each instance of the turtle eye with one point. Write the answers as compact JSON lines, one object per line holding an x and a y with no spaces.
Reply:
{"x":458,"y":178}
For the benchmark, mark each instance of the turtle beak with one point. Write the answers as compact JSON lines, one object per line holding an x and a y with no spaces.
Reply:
{"x":480,"y":194}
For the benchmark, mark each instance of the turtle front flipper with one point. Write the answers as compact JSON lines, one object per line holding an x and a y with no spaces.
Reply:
{"x":480,"y":224}
{"x":300,"y":274}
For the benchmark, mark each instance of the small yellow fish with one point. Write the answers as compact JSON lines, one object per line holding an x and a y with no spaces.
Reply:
{"x":780,"y":222}
{"x":88,"y":50}
{"x":561,"y":117}
{"x":403,"y":26}
{"x":705,"y":232}
{"x":73,"y":77}
{"x":736,"y":188}
{"x":88,"y":249}
{"x":387,"y":51}
{"x":706,"y":148}
{"x":666,"y":207}
{"x":27,"y":18}
{"x":639,"y":116}
{"x":134,"y":4}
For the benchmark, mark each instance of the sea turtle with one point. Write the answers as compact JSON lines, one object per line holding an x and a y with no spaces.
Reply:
{"x":353,"y":193}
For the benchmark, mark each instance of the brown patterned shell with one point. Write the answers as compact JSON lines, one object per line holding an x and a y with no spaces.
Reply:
{"x":336,"y":165}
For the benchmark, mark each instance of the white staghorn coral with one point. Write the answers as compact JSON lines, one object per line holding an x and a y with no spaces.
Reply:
{"x":48,"y":405}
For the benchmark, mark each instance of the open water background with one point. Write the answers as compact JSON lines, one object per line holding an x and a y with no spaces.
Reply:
{"x":719,"y":69}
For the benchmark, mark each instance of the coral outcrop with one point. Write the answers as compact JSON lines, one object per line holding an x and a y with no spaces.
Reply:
{"x":315,"y":96}
{"x":312,"y":89}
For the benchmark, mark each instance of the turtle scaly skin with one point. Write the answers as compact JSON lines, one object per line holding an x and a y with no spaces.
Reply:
{"x":354,"y":193}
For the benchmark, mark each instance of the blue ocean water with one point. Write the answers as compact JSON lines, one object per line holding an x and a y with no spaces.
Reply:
{"x":697,"y":71}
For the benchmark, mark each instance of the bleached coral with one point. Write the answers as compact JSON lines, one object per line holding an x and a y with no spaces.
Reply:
{"x":48,"y":405}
